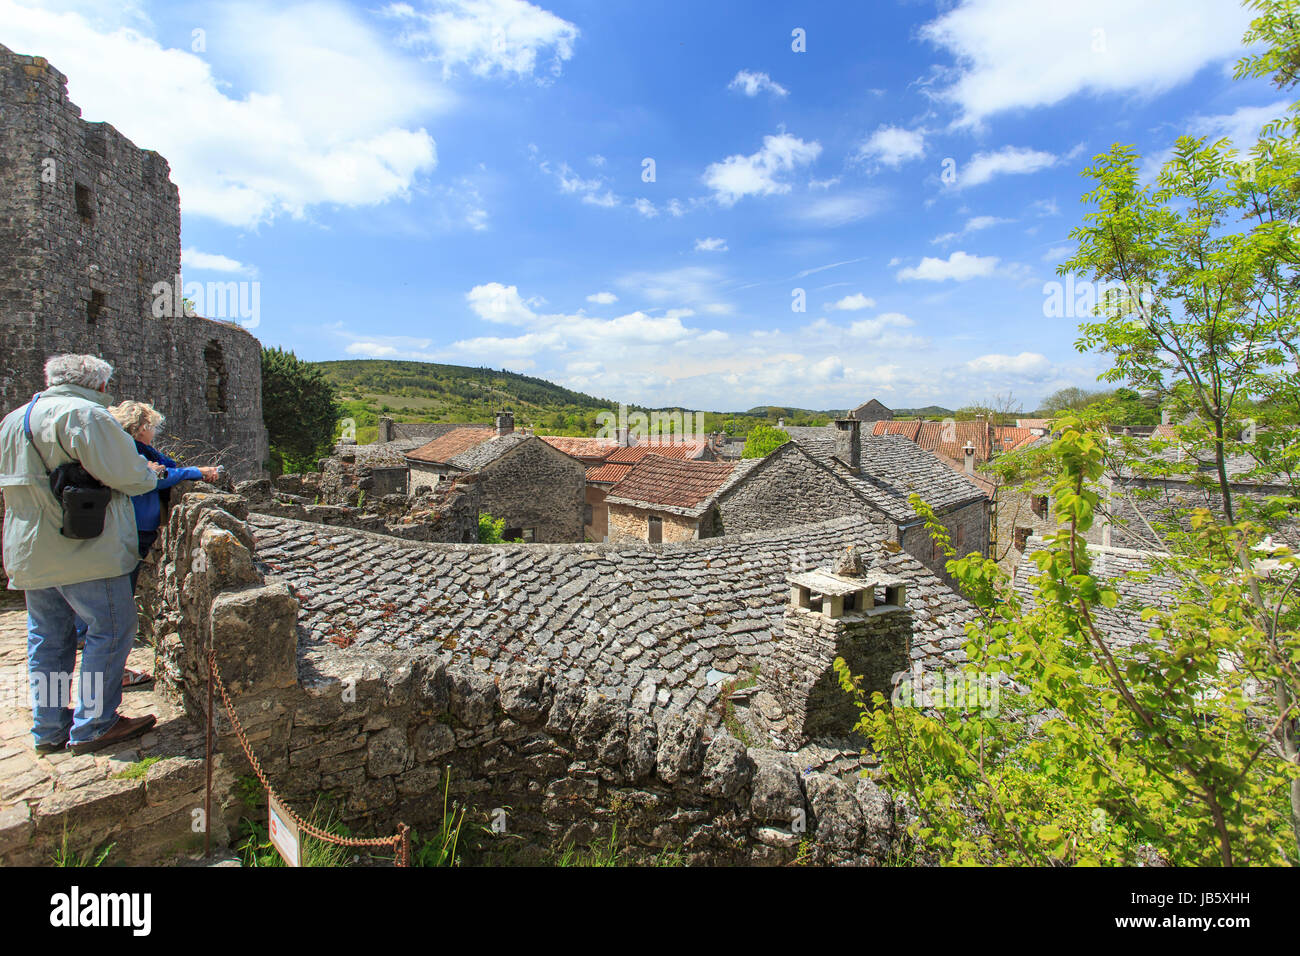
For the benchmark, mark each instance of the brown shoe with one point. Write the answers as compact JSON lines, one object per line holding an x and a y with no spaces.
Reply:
{"x":125,"y":729}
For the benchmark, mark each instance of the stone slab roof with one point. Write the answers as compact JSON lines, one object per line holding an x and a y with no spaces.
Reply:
{"x":658,"y":482}
{"x":380,"y":454}
{"x":484,"y":453}
{"x":893,"y":468}
{"x":443,"y":449}
{"x":427,"y":431}
{"x":1130,"y":574}
{"x":663,"y":625}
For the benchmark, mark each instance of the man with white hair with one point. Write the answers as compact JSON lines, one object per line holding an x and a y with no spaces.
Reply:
{"x":64,"y":578}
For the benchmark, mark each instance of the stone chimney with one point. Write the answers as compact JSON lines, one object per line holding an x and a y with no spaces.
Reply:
{"x":621,"y":437}
{"x":857,"y":611}
{"x":969,"y":451}
{"x":1166,"y":416}
{"x":848,"y":448}
{"x":780,"y":423}
{"x":505,"y":423}
{"x":385,"y":429}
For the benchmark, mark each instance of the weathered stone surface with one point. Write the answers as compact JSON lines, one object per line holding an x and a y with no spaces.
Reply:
{"x":169,"y":779}
{"x":836,"y":814}
{"x":776,"y":796}
{"x":681,"y":748}
{"x":473,"y":697}
{"x":387,"y":752}
{"x":727,"y":768}
{"x":525,"y":693}
{"x":877,"y":818}
{"x":255,"y":632}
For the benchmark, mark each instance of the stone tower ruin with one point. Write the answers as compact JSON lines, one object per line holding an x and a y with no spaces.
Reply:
{"x":89,"y":224}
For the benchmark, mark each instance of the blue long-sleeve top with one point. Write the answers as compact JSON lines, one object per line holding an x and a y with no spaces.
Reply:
{"x":148,"y":507}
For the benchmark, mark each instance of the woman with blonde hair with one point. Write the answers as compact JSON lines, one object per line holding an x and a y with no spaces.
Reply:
{"x":142,"y":421}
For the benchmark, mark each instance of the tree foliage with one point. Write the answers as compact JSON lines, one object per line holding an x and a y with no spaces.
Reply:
{"x":763,"y":440}
{"x":300,"y":410}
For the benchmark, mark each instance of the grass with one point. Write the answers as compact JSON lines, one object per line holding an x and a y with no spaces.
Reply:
{"x":65,"y":856}
{"x":441,"y":849}
{"x":600,"y":853}
{"x":256,"y":849}
{"x":137,"y":770}
{"x":728,"y":709}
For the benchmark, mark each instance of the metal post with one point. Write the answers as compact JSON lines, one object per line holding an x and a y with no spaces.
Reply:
{"x":207,"y":762}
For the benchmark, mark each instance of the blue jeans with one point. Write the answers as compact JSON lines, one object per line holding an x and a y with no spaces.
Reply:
{"x":108,"y":608}
{"x":146,"y":540}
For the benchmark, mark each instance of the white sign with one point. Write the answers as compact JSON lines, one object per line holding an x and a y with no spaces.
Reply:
{"x":284,"y":832}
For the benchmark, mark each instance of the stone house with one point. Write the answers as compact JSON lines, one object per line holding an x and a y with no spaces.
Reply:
{"x":871,"y":411}
{"x":666,"y":499}
{"x":886,"y":469}
{"x":537,"y":489}
{"x":609,"y":461}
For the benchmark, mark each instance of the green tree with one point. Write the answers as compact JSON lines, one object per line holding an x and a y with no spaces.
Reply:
{"x":1077,"y":751}
{"x":762,"y":440}
{"x":490,"y":530}
{"x":300,"y":407}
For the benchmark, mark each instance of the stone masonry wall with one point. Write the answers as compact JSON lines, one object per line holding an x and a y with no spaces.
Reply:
{"x":968,"y":529}
{"x":535,"y":486}
{"x":789,"y":488}
{"x":555,"y":762}
{"x":88,"y":224}
{"x":630,"y":524}
{"x":875,"y":643}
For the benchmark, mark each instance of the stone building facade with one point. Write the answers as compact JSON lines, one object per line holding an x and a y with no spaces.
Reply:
{"x":536,"y":489}
{"x":788,"y":487}
{"x":89,"y":224}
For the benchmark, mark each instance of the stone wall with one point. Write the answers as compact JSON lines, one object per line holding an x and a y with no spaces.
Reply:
{"x":447,"y":513}
{"x":875,"y":643}
{"x":788,"y":488}
{"x":88,"y":224}
{"x":968,"y":530}
{"x":631,"y":524}
{"x":535,"y":486}
{"x":553,"y":762}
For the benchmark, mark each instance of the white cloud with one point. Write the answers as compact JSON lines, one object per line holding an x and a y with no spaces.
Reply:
{"x":690,"y":285}
{"x":646,"y":208}
{"x":756,"y":175}
{"x":1010,"y":160}
{"x":1045,"y":207}
{"x":602,"y":298}
{"x":840,"y":209}
{"x":1058,"y":254}
{"x":751,"y":84}
{"x":710,"y":245}
{"x":852,"y":303}
{"x":487,"y":36}
{"x":1241,"y":127}
{"x":1014,"y":54}
{"x":330,"y":114}
{"x":974,"y":224}
{"x":495,"y":302}
{"x":875,"y":328}
{"x":1026,"y":363}
{"x":893,"y":146}
{"x":959,"y":267}
{"x":212,"y":262}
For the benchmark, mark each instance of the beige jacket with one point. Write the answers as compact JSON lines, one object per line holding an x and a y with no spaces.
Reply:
{"x":68,"y":423}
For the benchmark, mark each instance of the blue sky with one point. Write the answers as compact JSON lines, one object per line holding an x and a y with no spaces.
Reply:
{"x":466,"y":181}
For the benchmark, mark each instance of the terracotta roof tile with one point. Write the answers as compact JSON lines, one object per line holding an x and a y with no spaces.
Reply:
{"x":657,"y":481}
{"x":682,"y":451}
{"x":608,"y":473}
{"x":593,"y":448}
{"x":440,"y":451}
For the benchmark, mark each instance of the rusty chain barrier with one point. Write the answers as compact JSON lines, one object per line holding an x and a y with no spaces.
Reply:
{"x":400,"y":842}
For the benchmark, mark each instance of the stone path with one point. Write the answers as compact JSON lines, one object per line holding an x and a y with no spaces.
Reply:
{"x":37,"y":791}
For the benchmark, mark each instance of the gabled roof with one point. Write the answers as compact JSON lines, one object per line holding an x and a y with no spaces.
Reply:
{"x":593,"y":448}
{"x":607,"y":473}
{"x":467,"y":449}
{"x":680,"y":486}
{"x":949,"y":439}
{"x":427,"y":431}
{"x":892,"y":467}
{"x":442,"y":450}
{"x":871,"y":407}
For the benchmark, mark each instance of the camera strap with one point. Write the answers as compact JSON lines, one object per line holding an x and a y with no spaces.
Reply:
{"x":27,"y":430}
